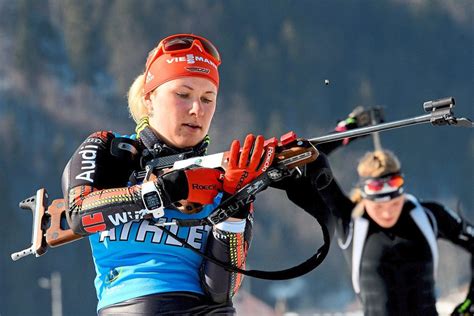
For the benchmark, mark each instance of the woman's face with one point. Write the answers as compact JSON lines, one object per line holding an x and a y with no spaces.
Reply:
{"x":385,"y":214}
{"x":181,"y":110}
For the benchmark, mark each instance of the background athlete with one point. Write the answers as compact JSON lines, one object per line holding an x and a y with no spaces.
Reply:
{"x":389,"y":236}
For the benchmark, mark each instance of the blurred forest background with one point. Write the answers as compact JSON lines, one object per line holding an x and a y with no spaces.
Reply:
{"x":65,"y":67}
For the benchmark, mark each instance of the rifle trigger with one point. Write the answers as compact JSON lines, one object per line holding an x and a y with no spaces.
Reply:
{"x":298,"y":170}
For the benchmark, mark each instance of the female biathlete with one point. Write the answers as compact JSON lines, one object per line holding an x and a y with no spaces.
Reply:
{"x":142,"y":270}
{"x":389,"y":236}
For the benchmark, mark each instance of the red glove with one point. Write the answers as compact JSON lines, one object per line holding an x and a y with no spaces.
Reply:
{"x":203,"y":184}
{"x":243,"y":169}
{"x":197,"y":185}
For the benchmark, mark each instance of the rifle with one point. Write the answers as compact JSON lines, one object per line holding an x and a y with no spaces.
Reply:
{"x":50,"y":228}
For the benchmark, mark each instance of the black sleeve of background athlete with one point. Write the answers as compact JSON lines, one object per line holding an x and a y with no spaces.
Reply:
{"x":453,"y":227}
{"x":333,"y":197}
{"x":311,"y":191}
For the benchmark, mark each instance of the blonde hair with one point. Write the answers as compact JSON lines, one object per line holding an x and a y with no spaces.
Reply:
{"x":136,"y":101}
{"x":356,"y":195}
{"x":377,"y":164}
{"x":373,"y":164}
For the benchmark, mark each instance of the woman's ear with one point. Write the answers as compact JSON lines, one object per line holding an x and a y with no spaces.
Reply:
{"x":148,"y":104}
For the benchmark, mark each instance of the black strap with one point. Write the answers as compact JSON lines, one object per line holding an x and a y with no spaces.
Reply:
{"x":230,"y":206}
{"x":290,"y":273}
{"x":149,"y":138}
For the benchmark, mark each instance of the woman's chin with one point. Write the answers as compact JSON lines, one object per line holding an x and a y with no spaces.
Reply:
{"x":387,"y":223}
{"x":185,"y":142}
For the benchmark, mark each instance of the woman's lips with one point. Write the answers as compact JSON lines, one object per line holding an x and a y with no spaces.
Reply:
{"x":191,"y":126}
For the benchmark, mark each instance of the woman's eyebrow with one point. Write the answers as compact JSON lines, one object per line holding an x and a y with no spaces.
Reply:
{"x":191,"y":88}
{"x":186,"y":86}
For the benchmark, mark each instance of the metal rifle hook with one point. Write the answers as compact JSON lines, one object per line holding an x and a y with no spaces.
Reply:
{"x":439,"y":113}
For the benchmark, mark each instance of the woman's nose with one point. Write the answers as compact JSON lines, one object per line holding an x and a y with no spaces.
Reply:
{"x":196,"y":108}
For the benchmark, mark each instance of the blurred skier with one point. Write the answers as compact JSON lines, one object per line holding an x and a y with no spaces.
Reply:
{"x":389,"y":236}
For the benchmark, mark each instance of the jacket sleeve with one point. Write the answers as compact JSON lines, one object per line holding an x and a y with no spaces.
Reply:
{"x":229,"y":243}
{"x":339,"y":205}
{"x":318,"y":193}
{"x":455,"y":228}
{"x":91,"y":187}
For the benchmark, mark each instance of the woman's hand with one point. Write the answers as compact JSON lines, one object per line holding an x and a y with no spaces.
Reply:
{"x":203,"y":184}
{"x":247,"y":164}
{"x":196,"y":185}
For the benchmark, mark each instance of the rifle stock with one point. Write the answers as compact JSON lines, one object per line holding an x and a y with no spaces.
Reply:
{"x":59,"y":233}
{"x":47,"y":227}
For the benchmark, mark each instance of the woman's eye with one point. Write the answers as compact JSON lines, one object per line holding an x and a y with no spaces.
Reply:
{"x":182,"y":95}
{"x":204,"y":100}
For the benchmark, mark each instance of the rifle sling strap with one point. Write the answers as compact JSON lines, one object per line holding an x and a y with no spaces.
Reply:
{"x":290,"y":273}
{"x":230,"y":206}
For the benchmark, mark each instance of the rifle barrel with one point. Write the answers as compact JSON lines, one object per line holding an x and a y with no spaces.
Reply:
{"x":371,"y":129}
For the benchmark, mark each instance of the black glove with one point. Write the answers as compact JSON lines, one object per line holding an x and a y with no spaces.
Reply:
{"x":351,"y":121}
{"x":197,"y":185}
{"x":359,"y":117}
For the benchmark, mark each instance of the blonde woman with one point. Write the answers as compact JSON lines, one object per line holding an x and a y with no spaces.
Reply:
{"x":390,"y":239}
{"x":142,"y":270}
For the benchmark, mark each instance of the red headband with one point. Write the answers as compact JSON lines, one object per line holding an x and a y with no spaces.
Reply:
{"x":193,"y":63}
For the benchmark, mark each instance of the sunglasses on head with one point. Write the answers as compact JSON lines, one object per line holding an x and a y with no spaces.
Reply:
{"x":378,"y":184}
{"x":181,"y":43}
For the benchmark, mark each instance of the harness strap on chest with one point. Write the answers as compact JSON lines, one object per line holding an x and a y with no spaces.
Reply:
{"x":420,"y":217}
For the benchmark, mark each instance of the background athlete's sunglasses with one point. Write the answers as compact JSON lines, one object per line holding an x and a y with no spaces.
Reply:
{"x":375,"y":185}
{"x":181,"y":43}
